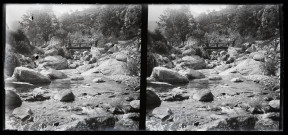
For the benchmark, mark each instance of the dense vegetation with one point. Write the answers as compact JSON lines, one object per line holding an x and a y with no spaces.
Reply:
{"x":104,"y":23}
{"x":243,"y":23}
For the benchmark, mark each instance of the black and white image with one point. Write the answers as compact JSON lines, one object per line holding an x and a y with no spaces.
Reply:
{"x":213,"y":68}
{"x":72,"y":67}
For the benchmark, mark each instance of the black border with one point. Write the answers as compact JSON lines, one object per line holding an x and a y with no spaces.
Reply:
{"x":143,"y":67}
{"x":283,"y":31}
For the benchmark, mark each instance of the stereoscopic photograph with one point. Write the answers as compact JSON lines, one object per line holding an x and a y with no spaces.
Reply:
{"x":213,"y":68}
{"x":72,"y":67}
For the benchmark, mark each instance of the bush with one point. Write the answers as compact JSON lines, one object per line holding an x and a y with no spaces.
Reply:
{"x":61,"y":52}
{"x":11,"y":62}
{"x":19,"y":42}
{"x":272,"y":62}
{"x":134,"y":64}
{"x":160,"y":47}
{"x":151,"y":63}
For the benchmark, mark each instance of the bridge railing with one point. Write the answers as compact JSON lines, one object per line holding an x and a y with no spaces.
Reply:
{"x":80,"y":45}
{"x":220,"y":45}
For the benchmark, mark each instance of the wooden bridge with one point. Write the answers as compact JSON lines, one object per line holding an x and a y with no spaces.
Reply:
{"x":80,"y":45}
{"x":218,"y":45}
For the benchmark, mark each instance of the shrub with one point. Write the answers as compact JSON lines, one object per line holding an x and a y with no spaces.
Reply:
{"x":160,"y":47}
{"x":271,"y":62}
{"x":19,"y":42}
{"x":61,"y":52}
{"x":11,"y":62}
{"x":151,"y":63}
{"x":134,"y":63}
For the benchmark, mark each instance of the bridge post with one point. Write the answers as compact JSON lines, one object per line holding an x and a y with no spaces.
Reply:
{"x":233,"y":43}
{"x":69,"y":43}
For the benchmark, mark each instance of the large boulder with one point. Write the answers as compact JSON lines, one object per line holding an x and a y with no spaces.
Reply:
{"x":193,"y":62}
{"x":233,"y":51}
{"x":29,"y":75}
{"x":111,"y":67}
{"x":163,"y":74}
{"x":51,"y":52}
{"x":12,"y":100}
{"x":192,"y":74}
{"x":189,"y":52}
{"x":250,"y":67}
{"x":55,"y":62}
{"x":97,"y":52}
{"x":54,"y":74}
{"x":152,"y":100}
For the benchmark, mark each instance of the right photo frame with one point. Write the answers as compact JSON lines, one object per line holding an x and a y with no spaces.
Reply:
{"x":214,"y":67}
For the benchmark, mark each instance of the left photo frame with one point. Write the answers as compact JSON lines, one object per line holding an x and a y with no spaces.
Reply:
{"x":72,"y":67}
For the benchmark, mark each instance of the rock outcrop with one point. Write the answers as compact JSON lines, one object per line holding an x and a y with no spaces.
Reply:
{"x":23,"y":74}
{"x":162,"y":74}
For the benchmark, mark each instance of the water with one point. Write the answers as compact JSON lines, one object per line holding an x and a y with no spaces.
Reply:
{"x":56,"y":84}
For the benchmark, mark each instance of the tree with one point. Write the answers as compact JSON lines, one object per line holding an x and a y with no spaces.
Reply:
{"x":39,"y":24}
{"x":132,"y":21}
{"x":111,"y":20}
{"x":176,"y":23}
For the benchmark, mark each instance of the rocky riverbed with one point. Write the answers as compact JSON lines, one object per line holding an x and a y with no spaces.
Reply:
{"x":77,"y":94}
{"x":229,"y":93}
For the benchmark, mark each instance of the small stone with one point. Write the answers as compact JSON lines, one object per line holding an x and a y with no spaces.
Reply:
{"x":236,"y":80}
{"x":215,"y":78}
{"x":22,"y":112}
{"x":98,"y":80}
{"x":268,"y":98}
{"x":65,"y":96}
{"x":111,"y":96}
{"x":75,"y":78}
{"x":133,"y":116}
{"x":129,"y":98}
{"x":162,"y":112}
{"x":135,"y":104}
{"x":277,"y":91}
{"x":275,"y":104}
{"x":203,"y":95}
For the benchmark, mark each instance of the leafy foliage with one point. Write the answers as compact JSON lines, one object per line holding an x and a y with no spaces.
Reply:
{"x":240,"y":22}
{"x":176,"y":24}
{"x":157,"y":43}
{"x":39,"y":24}
{"x":19,"y":42}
